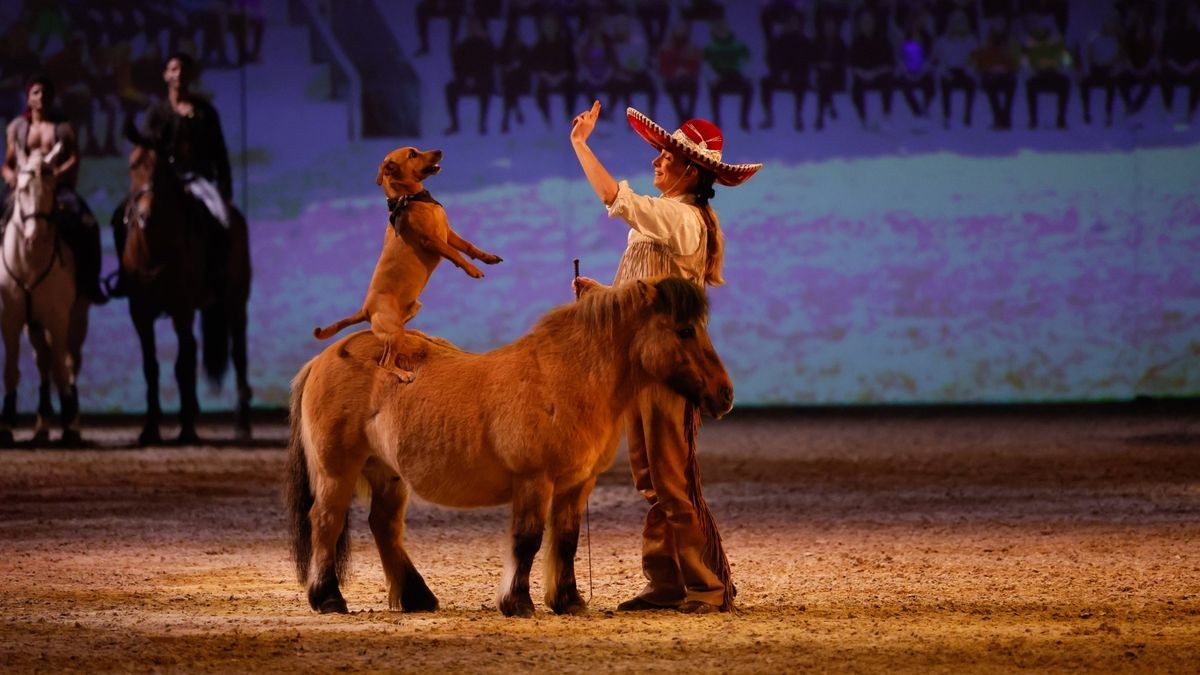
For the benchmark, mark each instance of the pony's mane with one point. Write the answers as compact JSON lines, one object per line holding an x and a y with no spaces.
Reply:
{"x":605,"y":309}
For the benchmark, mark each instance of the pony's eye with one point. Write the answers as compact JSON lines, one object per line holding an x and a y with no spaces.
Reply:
{"x":686,"y":333}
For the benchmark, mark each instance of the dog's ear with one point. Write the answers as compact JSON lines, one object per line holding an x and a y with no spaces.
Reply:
{"x":385,"y":168}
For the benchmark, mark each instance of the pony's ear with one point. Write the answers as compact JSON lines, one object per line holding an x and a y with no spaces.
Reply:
{"x":54,"y":152}
{"x":647,"y":291}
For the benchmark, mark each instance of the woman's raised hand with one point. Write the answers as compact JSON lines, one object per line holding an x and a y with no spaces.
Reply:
{"x":584,"y":122}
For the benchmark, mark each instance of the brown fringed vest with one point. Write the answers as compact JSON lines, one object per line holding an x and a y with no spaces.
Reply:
{"x":646,"y":258}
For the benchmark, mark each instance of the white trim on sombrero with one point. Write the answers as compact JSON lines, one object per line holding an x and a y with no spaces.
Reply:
{"x":710,"y":154}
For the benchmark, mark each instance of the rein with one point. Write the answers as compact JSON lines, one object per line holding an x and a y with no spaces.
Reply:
{"x":398,"y":205}
{"x":134,"y":217}
{"x":131,"y":206}
{"x":28,"y":289}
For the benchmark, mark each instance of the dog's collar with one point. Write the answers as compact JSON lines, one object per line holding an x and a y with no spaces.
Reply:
{"x":397,"y":205}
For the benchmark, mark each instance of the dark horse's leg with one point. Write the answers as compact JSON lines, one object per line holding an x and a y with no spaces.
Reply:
{"x":185,"y":375}
{"x":143,"y":323}
{"x":531,"y":500}
{"x":237,"y":326}
{"x":566,"y":511}
{"x":236,"y":294}
{"x":389,"y":499}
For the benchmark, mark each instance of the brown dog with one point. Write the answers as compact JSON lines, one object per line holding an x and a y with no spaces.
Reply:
{"x":417,"y":239}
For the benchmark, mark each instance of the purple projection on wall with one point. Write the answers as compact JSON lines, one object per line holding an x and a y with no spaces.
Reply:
{"x":887,"y":257}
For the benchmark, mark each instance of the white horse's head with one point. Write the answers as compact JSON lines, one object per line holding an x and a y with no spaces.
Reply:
{"x":33,"y":202}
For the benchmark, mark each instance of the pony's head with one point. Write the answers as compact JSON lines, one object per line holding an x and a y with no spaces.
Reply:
{"x":672,"y":345}
{"x":33,"y":202}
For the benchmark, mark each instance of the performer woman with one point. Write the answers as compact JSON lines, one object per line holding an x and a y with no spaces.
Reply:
{"x":675,"y":233}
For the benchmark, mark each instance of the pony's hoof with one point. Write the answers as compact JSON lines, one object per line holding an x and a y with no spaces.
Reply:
{"x":418,"y":600}
{"x":149,"y":436}
{"x":243,"y":433}
{"x":518,"y":607}
{"x":335,"y":605}
{"x":40,"y":437}
{"x":6,"y":438}
{"x":574,"y":606}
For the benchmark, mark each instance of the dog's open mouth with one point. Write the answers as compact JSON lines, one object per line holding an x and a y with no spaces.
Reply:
{"x":433,"y":169}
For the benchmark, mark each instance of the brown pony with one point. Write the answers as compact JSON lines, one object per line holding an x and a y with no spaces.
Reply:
{"x":163,"y":264}
{"x":532,"y":423}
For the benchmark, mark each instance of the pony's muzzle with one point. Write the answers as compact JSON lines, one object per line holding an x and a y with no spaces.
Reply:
{"x":718,"y":405}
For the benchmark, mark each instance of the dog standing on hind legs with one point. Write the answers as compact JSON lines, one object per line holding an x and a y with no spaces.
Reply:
{"x":418,"y":237}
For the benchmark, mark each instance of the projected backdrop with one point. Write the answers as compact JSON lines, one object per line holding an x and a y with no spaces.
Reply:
{"x":920,"y":233}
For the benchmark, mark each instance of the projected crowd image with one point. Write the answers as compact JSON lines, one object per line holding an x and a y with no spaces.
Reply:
{"x":961,"y":200}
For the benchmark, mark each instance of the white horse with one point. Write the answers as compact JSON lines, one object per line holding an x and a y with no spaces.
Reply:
{"x":37,"y":291}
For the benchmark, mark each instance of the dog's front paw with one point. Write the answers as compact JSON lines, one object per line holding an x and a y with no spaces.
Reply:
{"x":472,"y":271}
{"x":490,"y":258}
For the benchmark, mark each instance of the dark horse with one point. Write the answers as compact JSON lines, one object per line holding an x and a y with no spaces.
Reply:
{"x":165,"y":271}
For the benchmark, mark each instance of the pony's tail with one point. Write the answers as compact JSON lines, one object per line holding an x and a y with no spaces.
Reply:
{"x":300,"y":498}
{"x":299,"y":490}
{"x":214,"y":329}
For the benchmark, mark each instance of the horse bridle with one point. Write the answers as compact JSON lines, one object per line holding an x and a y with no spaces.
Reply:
{"x":134,"y":216}
{"x":48,"y":216}
{"x":52,"y":220}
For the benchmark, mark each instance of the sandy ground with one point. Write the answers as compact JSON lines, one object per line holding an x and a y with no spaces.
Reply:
{"x":1051,"y":539}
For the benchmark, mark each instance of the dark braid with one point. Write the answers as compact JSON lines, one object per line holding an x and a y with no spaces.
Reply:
{"x":715,"y":255}
{"x":704,"y":186}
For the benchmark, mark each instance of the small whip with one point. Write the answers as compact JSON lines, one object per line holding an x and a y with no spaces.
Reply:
{"x":587,"y":511}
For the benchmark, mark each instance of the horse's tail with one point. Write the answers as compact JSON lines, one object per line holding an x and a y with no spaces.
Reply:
{"x":214,"y":328}
{"x":329,"y":331}
{"x":300,"y":497}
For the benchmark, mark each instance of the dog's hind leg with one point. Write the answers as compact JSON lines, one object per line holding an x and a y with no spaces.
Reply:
{"x":388,"y":326}
{"x":388,"y":360}
{"x":456,"y":240}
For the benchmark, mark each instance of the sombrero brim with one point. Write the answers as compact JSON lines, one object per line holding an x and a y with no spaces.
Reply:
{"x":726,"y":173}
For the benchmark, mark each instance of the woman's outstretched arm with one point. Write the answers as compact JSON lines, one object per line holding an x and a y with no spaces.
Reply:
{"x":602,"y":181}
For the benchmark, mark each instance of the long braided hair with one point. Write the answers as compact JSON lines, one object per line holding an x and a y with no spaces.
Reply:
{"x":714,"y":258}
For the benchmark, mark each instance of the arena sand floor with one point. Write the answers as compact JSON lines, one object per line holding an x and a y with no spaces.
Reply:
{"x":919,"y":540}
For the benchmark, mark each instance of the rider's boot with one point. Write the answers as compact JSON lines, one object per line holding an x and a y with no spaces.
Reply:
{"x":87,"y":264}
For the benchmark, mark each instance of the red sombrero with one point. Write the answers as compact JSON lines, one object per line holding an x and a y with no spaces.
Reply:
{"x":700,"y":140}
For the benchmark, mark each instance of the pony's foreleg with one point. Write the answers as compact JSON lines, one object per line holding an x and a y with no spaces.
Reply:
{"x":185,"y":376}
{"x":562,"y":540}
{"x":10,"y":327}
{"x":143,"y":323}
{"x":531,"y":500}
{"x":389,"y":500}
